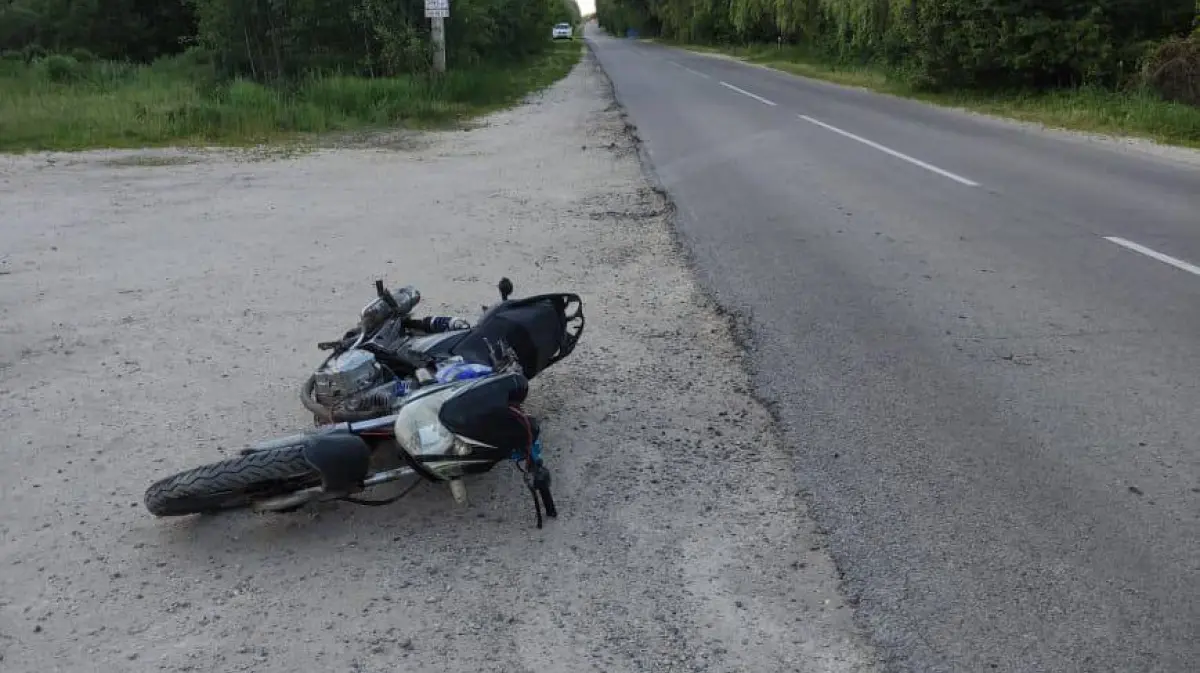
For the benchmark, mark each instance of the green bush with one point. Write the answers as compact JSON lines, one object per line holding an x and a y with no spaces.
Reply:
{"x":271,"y":40}
{"x":1172,"y":69}
{"x":33,"y":52}
{"x":82,"y":55}
{"x":127,"y":104}
{"x":937,"y":44}
{"x":60,"y":68}
{"x":136,"y":30}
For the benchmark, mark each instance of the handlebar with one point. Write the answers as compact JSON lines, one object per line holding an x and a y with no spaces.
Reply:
{"x":386,"y":295}
{"x":435,"y":324}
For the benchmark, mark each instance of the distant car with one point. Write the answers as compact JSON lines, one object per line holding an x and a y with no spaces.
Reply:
{"x":562,"y":31}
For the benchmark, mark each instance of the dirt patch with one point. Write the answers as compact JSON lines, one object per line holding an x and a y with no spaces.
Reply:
{"x":150,"y":160}
{"x":154,"y":320}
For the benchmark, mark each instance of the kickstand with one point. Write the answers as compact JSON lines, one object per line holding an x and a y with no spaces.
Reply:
{"x":537,"y":507}
{"x":538,"y":482}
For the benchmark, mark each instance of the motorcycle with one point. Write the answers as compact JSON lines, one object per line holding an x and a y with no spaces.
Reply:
{"x":444,"y":429}
{"x":389,"y":354}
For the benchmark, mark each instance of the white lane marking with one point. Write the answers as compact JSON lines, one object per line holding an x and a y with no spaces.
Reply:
{"x":887,"y":150}
{"x":694,"y":72}
{"x":747,"y":93}
{"x":1165,"y":259}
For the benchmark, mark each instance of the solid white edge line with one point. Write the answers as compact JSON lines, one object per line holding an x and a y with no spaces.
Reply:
{"x":747,"y":93}
{"x":887,"y":150}
{"x":1154,"y":254}
{"x":694,"y":72}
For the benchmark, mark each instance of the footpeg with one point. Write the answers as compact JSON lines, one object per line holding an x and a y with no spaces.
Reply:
{"x":459,"y":491}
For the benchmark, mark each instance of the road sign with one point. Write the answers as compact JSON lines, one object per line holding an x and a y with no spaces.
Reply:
{"x":437,"y":11}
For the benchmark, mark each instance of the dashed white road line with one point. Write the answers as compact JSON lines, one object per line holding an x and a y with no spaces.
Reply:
{"x":1154,"y":254}
{"x":887,"y":150}
{"x":747,"y":93}
{"x":694,"y":72}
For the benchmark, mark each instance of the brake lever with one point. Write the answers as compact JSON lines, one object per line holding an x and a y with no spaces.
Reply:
{"x":386,"y":295}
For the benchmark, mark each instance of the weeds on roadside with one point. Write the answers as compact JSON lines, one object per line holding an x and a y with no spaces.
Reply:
{"x":61,"y":102}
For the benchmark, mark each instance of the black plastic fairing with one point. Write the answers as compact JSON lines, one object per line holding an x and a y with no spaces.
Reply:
{"x":483,"y":412}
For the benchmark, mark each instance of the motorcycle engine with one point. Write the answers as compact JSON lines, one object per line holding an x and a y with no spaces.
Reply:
{"x":347,"y":376}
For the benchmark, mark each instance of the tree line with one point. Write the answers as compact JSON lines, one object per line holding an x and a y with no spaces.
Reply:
{"x":943,"y":44}
{"x":280,"y":39}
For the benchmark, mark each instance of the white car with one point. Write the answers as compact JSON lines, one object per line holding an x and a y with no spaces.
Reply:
{"x":562,"y":31}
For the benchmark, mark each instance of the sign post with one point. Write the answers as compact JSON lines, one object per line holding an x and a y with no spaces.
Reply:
{"x":437,"y":11}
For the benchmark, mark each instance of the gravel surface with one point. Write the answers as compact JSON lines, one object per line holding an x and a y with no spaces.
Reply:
{"x":159,"y":309}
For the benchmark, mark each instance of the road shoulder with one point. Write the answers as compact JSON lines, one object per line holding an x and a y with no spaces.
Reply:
{"x":161,"y":313}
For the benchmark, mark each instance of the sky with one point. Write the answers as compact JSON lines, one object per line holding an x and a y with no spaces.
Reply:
{"x":586,"y":6}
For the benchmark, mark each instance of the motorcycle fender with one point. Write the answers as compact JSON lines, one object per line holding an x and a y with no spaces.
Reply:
{"x":343,"y":460}
{"x":293,"y":440}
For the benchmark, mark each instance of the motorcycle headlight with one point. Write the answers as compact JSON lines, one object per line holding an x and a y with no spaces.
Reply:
{"x":418,"y":429}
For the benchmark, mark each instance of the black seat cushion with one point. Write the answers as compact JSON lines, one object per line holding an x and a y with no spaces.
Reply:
{"x":533,"y":328}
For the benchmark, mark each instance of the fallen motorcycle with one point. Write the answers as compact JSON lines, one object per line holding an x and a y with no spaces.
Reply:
{"x":446,"y":428}
{"x":389,"y":353}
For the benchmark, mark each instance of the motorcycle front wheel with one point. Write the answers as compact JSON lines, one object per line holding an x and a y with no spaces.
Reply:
{"x":233,"y":483}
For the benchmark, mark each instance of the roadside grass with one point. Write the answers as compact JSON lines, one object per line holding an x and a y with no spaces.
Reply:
{"x":58,"y":103}
{"x":1133,"y":113}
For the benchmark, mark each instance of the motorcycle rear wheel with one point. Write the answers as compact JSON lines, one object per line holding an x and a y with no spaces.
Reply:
{"x":232,"y":483}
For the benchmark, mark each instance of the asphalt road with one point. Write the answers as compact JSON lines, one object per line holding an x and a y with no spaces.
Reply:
{"x":993,"y":405}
